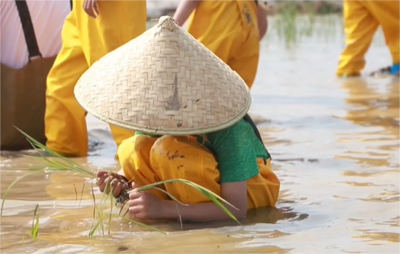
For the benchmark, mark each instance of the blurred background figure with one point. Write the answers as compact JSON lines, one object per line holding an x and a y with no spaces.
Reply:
{"x":93,"y":29}
{"x":362,"y":19}
{"x":231,"y":29}
{"x":30,"y":40}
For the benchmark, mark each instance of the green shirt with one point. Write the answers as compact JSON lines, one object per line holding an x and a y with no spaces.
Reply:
{"x":236,"y":150}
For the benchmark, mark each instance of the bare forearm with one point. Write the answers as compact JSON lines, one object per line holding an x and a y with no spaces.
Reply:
{"x":185,"y":8}
{"x":262,"y":21}
{"x":199,"y":212}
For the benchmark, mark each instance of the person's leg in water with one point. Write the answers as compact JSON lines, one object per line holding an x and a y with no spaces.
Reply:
{"x":387,"y":13}
{"x":360,"y":28}
{"x":85,"y":40}
{"x":65,"y":125}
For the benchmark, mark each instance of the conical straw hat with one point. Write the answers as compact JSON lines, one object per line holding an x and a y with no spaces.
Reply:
{"x":164,"y":82}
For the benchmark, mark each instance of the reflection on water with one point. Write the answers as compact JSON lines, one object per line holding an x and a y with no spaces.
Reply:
{"x":334,"y":145}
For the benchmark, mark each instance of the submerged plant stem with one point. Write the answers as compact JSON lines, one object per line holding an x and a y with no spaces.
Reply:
{"x":35,"y":223}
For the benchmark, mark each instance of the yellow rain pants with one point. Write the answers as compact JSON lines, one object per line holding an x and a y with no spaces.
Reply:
{"x":147,"y":160}
{"x":362,"y":19}
{"x":230,"y":30}
{"x":86,"y":40}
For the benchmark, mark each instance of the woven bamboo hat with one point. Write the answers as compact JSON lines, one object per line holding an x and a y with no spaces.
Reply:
{"x":164,"y":82}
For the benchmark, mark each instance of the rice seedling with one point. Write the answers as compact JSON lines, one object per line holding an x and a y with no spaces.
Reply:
{"x":296,"y":20}
{"x":286,"y":23}
{"x":58,"y":163}
{"x":35,"y":223}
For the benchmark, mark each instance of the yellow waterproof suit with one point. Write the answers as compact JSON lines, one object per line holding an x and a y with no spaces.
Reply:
{"x":86,"y":40}
{"x":230,"y":30}
{"x":362,"y":19}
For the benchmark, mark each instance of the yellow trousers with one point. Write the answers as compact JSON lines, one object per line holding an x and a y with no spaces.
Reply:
{"x":362,"y":19}
{"x":147,"y":160}
{"x":84,"y":41}
{"x":230,"y":30}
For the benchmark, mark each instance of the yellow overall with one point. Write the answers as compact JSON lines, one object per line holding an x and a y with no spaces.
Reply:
{"x":147,"y":160}
{"x":362,"y":19}
{"x":230,"y":30}
{"x":86,"y":40}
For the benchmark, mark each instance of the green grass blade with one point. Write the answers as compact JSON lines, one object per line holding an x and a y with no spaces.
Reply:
{"x":105,"y":196}
{"x":110,"y":216}
{"x":12,"y":185}
{"x":37,"y":144}
{"x":94,"y":229}
{"x":99,"y":223}
{"x":209,"y":194}
{"x":187,"y":182}
{"x":83,"y":188}
{"x":220,"y":205}
{"x":59,"y":165}
{"x":171,"y":196}
{"x":103,"y":201}
{"x":95,"y":210}
{"x":72,"y":165}
{"x":35,"y":223}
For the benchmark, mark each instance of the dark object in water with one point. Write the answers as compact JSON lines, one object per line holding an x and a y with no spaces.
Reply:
{"x":122,"y":248}
{"x":382,"y":72}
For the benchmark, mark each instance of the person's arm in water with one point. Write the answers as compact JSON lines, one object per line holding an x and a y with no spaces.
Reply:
{"x":262,"y":20}
{"x":185,"y":8}
{"x":145,"y":205}
{"x":234,"y":193}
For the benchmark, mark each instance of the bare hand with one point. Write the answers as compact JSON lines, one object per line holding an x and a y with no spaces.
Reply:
{"x":144,"y":205}
{"x":116,"y":182}
{"x":90,"y":7}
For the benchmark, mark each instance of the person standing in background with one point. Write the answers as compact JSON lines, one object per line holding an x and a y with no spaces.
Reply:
{"x":30,"y":37}
{"x":93,"y":29}
{"x":362,"y":19}
{"x":231,"y":29}
{"x":262,"y":18}
{"x":47,"y":18}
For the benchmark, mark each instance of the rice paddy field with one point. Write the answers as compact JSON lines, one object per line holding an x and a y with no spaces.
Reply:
{"x":334,"y":144}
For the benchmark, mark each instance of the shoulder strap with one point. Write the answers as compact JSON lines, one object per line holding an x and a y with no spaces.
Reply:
{"x":70,"y":2}
{"x":248,"y":119}
{"x":27,"y":26}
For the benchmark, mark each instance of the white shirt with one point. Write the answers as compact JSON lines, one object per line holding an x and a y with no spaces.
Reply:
{"x":47,"y":17}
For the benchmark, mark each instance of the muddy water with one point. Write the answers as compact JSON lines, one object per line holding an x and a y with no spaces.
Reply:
{"x":335,"y":147}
